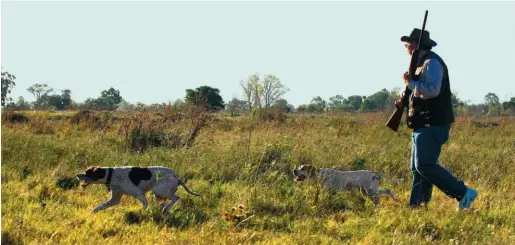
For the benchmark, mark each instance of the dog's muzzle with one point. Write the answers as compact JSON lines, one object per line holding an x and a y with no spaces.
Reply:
{"x":87,"y":180}
{"x":297,"y":176}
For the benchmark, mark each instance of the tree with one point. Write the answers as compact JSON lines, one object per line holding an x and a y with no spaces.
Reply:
{"x":456,"y":102}
{"x":317,"y":104}
{"x":377,"y":101}
{"x":178,"y":104}
{"x":252,"y":91}
{"x":248,"y":92}
{"x":508,"y":107}
{"x":205,"y":96}
{"x":124,"y":106}
{"x":273,"y":89}
{"x":139,"y":106}
{"x":236,"y":106}
{"x":303,"y":108}
{"x":110,"y":98}
{"x":262,"y":94}
{"x":283,"y":104}
{"x":335,"y":102}
{"x":92,"y":104}
{"x":380,"y":98}
{"x":40,"y":91}
{"x":22,"y":104}
{"x":368,"y":105}
{"x":479,"y":109}
{"x":8,"y":82}
{"x":59,"y":102}
{"x":346,"y":107}
{"x":491,"y":99}
{"x":55,"y":101}
{"x":66,"y":98}
{"x":393,"y":96}
{"x":355,"y":101}
{"x":494,"y":106}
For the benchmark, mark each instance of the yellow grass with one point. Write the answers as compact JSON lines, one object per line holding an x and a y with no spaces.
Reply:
{"x":276,"y":210}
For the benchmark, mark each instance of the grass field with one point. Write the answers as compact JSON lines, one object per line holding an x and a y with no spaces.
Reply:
{"x":42,"y":204}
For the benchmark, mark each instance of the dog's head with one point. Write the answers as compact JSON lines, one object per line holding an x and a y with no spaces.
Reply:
{"x":93,"y":175}
{"x":304,"y":172}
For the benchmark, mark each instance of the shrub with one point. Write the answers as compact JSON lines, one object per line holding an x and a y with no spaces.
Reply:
{"x":67,"y":183}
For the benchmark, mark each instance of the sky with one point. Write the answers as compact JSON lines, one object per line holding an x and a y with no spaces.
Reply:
{"x":153,"y":51}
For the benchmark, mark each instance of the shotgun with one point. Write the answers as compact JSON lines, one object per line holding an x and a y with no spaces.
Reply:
{"x":395,"y":118}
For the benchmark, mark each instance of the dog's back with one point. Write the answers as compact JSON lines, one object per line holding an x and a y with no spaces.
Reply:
{"x":336,"y":179}
{"x":140,"y":177}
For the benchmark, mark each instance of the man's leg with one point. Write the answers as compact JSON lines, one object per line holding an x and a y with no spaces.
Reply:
{"x":428,"y":143}
{"x":421,"y":188}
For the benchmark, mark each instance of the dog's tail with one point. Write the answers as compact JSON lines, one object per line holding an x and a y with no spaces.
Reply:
{"x":393,"y":180}
{"x":188,"y":190}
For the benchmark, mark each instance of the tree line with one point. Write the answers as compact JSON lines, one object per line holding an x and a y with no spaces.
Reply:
{"x":258,"y":93}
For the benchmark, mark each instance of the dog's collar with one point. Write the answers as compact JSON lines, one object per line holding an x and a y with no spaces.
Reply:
{"x":315,"y":174}
{"x":108,"y":179}
{"x":318,"y":173}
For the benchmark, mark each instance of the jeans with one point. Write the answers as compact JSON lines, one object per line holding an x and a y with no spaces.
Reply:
{"x":426,"y":147}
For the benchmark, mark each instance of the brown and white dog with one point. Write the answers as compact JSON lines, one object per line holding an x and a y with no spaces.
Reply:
{"x":367,"y":181}
{"x":135,"y":181}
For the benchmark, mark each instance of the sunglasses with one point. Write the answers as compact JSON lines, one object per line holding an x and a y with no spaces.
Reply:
{"x":408,"y":45}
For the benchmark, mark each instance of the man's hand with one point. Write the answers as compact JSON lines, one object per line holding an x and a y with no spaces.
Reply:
{"x":399,"y":104}
{"x":406,"y":77}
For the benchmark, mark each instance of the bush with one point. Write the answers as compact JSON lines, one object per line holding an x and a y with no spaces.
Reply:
{"x":14,"y":118}
{"x":141,"y":139}
{"x":67,"y":183}
{"x":132,"y":218}
{"x":359,"y":163}
{"x":86,"y":117}
{"x":270,"y":114}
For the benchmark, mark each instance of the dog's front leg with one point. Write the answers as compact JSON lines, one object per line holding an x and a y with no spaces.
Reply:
{"x":388,"y":192}
{"x":116,"y":196}
{"x":143,"y":199}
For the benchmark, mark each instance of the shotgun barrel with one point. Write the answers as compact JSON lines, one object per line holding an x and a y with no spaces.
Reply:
{"x":395,"y":119}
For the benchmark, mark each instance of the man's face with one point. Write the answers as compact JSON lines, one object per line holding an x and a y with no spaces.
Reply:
{"x":410,"y":47}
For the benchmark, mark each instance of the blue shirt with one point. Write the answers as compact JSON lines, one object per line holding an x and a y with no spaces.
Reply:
{"x":430,"y":80}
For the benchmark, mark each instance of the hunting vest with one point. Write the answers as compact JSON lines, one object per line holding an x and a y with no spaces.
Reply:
{"x":434,"y":111}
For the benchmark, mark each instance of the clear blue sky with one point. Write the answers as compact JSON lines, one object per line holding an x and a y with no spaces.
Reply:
{"x":153,"y":51}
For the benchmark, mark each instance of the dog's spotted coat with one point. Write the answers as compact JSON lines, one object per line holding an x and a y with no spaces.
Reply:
{"x":135,"y":181}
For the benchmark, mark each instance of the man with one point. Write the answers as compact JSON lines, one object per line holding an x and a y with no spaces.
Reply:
{"x":430,"y":117}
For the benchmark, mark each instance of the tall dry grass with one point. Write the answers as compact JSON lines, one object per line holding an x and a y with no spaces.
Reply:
{"x":42,"y":205}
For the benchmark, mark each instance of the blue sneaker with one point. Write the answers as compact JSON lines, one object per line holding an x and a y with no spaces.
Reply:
{"x":467,"y":200}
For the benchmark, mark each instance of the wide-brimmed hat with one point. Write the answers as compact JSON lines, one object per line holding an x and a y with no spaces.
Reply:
{"x":415,"y":35}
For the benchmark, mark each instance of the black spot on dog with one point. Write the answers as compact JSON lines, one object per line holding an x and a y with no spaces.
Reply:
{"x":96,"y":173}
{"x":137,"y":174}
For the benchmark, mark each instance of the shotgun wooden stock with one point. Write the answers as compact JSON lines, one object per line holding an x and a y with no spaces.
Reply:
{"x":395,"y":119}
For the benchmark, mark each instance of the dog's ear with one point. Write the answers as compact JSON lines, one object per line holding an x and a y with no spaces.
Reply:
{"x":95,"y":173}
{"x":310,"y":169}
{"x":89,"y":170}
{"x":99,"y":172}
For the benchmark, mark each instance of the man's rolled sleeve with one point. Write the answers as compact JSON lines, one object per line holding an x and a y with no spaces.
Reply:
{"x":429,"y":87}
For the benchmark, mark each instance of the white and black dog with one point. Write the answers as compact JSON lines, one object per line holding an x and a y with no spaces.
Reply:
{"x":135,"y":181}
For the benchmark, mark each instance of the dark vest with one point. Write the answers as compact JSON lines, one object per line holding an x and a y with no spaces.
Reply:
{"x":435,"y":111}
